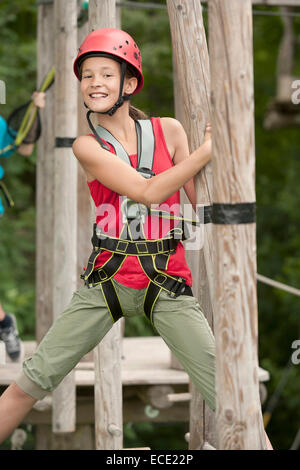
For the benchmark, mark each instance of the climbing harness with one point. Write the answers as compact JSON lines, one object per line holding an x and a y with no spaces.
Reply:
{"x":153,"y":255}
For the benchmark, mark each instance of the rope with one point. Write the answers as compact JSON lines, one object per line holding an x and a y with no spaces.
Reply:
{"x":155,"y":6}
{"x":296,"y":442}
{"x":278,"y":285}
{"x":273,"y":401}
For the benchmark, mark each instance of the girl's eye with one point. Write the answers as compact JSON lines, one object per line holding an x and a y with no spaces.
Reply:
{"x":87,"y":76}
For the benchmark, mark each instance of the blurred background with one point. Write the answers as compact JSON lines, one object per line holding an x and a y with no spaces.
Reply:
{"x":277,"y":190}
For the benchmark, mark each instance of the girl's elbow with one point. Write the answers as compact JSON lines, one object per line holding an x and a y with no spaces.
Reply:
{"x":149,"y":198}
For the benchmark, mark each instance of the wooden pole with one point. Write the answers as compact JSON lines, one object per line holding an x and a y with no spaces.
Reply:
{"x":45,"y":178}
{"x":86,"y":213}
{"x":239,"y":419}
{"x":44,"y":184}
{"x":193,"y":84}
{"x":65,"y":195}
{"x":108,"y":381}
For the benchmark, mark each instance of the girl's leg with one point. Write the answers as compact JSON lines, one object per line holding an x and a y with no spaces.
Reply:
{"x":186,"y":331}
{"x":14,"y":406}
{"x":76,"y":332}
{"x":2,"y":313}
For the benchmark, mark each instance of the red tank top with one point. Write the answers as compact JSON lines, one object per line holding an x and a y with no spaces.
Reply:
{"x":109,"y":219}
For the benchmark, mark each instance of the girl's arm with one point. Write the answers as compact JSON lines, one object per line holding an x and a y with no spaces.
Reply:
{"x":178,"y":146}
{"x":118,"y":176}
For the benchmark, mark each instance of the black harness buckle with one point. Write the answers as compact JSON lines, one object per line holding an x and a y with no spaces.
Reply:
{"x":178,"y":288}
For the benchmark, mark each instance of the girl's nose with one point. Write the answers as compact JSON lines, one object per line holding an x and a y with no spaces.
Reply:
{"x":96,"y":81}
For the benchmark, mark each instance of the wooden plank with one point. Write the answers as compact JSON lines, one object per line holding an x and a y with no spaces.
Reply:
{"x":146,"y":361}
{"x":239,"y":418}
{"x":65,"y":194}
{"x":134,"y":411}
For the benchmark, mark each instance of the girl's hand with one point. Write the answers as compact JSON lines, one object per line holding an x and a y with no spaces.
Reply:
{"x":39,"y":99}
{"x":207,"y":141}
{"x":207,"y":134}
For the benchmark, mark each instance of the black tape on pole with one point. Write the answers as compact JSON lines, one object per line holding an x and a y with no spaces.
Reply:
{"x":232,"y":214}
{"x":64,"y":142}
{"x":228,"y":214}
{"x":204,"y":214}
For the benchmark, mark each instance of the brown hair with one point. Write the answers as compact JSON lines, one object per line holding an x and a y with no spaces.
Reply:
{"x":134,"y":112}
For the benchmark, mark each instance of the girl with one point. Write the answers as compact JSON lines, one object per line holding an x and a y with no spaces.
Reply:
{"x":137,"y":265}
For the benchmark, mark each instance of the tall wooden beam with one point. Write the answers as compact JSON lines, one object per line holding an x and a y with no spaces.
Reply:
{"x":108,"y":382}
{"x":239,"y":419}
{"x":45,"y":178}
{"x":86,"y":212}
{"x":193,"y":83}
{"x":65,"y":193}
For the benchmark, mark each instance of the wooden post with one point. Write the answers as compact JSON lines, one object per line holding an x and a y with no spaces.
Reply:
{"x":239,"y":419}
{"x":108,"y":381}
{"x":86,"y":208}
{"x":44,"y":184}
{"x":65,"y":195}
{"x":45,"y":178}
{"x":108,"y":392}
{"x":193,"y":85}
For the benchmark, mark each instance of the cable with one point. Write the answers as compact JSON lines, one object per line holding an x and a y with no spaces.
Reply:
{"x":145,"y":6}
{"x":296,"y":442}
{"x":273,"y":402}
{"x":155,"y":6}
{"x":278,"y":285}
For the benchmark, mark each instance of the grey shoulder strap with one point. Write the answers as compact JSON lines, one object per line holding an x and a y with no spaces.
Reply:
{"x":108,"y":137}
{"x":145,"y":143}
{"x":145,"y":140}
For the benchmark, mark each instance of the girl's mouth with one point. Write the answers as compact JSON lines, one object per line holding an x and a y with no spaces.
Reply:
{"x":97,"y":96}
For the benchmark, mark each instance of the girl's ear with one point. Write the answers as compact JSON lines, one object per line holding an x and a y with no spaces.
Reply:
{"x":130,"y":85}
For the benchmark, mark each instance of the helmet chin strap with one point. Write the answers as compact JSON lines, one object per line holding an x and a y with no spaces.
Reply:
{"x":121,"y":98}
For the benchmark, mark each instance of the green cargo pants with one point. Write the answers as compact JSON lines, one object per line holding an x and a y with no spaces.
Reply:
{"x":86,"y":320}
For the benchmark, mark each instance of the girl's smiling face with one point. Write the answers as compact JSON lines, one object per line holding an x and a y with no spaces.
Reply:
{"x":100,"y":82}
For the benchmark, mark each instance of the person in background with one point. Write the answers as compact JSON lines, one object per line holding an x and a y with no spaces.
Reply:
{"x":8,"y":325}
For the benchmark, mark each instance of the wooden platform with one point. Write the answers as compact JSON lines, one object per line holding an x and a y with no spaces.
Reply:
{"x":145,"y":361}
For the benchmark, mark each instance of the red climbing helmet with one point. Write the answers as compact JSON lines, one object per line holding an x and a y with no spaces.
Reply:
{"x":114,"y":42}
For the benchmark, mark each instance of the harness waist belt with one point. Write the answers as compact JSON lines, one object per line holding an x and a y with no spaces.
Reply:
{"x":136,"y":248}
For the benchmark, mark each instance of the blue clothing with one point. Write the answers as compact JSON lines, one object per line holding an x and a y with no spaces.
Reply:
{"x":5,"y":139}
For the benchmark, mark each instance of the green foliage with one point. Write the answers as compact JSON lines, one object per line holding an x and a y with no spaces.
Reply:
{"x":157,"y":436}
{"x":277,"y":192}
